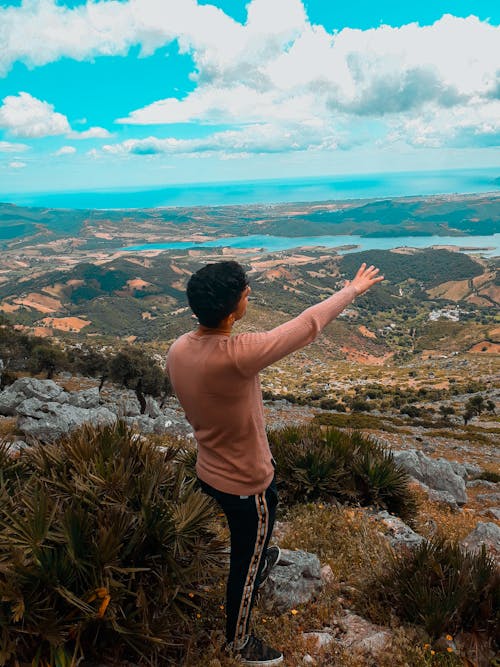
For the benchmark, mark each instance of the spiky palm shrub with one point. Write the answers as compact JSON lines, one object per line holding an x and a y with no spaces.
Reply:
{"x":307,"y":468}
{"x":317,"y":464}
{"x":443,"y":588}
{"x":105,"y":548}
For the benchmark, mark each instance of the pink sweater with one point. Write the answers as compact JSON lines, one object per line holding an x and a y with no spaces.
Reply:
{"x":216,"y":379}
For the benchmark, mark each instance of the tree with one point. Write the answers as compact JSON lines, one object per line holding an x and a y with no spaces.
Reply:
{"x":49,"y":359}
{"x":134,"y":369}
{"x":445,"y":411}
{"x":467,"y":416}
{"x":474,"y":407}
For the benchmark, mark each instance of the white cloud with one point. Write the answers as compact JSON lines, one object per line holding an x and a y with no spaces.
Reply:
{"x":91,"y":133}
{"x":277,"y":69}
{"x":264,"y":138}
{"x":66,"y":150}
{"x":16,"y":164}
{"x":27,"y":116}
{"x":466,"y":126}
{"x":10,"y":147}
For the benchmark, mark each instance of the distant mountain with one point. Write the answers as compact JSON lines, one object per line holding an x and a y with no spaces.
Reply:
{"x":449,"y":215}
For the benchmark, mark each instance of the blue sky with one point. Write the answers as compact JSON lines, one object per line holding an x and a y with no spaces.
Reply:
{"x":151,"y":92}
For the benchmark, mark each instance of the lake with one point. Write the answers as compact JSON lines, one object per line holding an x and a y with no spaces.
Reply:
{"x":276,"y":243}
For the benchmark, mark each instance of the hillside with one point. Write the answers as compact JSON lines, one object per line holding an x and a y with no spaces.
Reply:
{"x":142,"y":296}
{"x":107,"y":230}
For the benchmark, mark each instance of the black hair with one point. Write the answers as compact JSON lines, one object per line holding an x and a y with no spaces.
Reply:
{"x":213,"y":292}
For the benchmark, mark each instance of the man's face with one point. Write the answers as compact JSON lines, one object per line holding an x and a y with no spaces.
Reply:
{"x":241,"y":308}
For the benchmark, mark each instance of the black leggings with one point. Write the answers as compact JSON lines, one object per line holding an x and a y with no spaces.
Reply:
{"x":251,"y":521}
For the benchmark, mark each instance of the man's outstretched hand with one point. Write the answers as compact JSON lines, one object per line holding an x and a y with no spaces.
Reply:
{"x":365,"y":278}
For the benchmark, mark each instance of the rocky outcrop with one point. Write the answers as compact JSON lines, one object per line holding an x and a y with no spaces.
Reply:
{"x":437,"y":474}
{"x":363,"y":637}
{"x":396,"y":531}
{"x":295,"y":580}
{"x":45,"y":411}
{"x":487,"y":534}
{"x":51,"y":420}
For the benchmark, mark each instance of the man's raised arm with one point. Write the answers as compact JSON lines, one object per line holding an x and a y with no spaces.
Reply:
{"x":254,"y":351}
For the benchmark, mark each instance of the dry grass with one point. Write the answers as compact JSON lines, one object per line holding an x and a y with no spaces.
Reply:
{"x":345,"y":538}
{"x":436,"y":519}
{"x":8,"y":427}
{"x":349,"y":542}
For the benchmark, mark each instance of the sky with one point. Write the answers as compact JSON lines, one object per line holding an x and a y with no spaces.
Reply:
{"x":139,"y":93}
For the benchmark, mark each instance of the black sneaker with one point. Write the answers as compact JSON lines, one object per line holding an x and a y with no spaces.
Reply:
{"x":255,"y":652}
{"x":272,"y":558}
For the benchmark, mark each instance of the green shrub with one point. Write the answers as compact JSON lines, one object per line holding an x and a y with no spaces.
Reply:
{"x":314,"y":464}
{"x":443,"y":588}
{"x":410,"y":410}
{"x":488,"y":476}
{"x":105,"y":549}
{"x":332,"y":404}
{"x":360,"y":405}
{"x":356,"y":420}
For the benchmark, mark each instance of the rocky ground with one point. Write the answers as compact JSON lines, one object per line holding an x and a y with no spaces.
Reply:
{"x":445,"y":473}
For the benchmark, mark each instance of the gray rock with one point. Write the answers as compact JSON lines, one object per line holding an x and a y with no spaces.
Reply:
{"x":487,"y":534}
{"x":87,"y":398}
{"x":141,"y":423}
{"x":9,"y":400}
{"x":152,"y":407}
{"x":458,"y":468}
{"x":126,"y":406}
{"x":472,"y":469}
{"x":44,"y":390}
{"x":295,"y":580}
{"x":162,"y":424}
{"x":320,"y":638}
{"x":398,"y":533}
{"x":33,"y":407}
{"x":444,"y":498}
{"x":481,"y":482}
{"x":488,"y":497}
{"x":494,"y":512}
{"x":361,"y":636}
{"x":435,"y":473}
{"x":16,"y":446}
{"x":56,"y":420}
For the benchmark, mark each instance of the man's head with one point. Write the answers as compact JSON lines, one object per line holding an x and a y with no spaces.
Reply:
{"x":215,"y":292}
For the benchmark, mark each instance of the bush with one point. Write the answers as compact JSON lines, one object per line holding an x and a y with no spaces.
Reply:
{"x":47,"y":358}
{"x":488,"y":476}
{"x":354,"y":420}
{"x":324,"y":465}
{"x":443,"y":588}
{"x":360,"y":405}
{"x":411,"y":411}
{"x":332,"y":404}
{"x":105,"y":549}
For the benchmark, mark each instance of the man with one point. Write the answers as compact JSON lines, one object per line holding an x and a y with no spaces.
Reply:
{"x":216,"y":379}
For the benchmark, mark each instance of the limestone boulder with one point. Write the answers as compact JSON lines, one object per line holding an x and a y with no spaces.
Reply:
{"x":487,"y":534}
{"x":295,"y":580}
{"x":397,"y":532}
{"x":49,"y":421}
{"x":437,"y":474}
{"x":87,"y":398}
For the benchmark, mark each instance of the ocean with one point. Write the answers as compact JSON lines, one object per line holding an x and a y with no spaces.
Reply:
{"x":401,"y":184}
